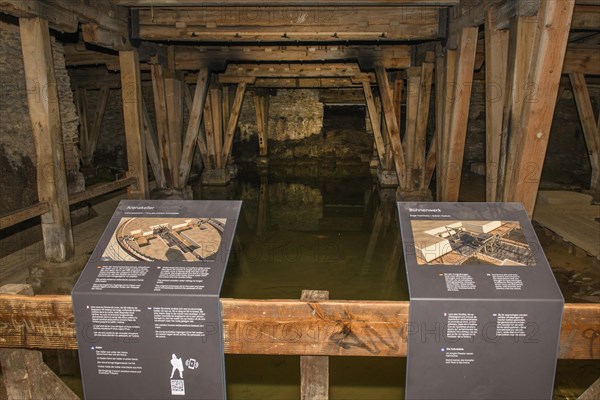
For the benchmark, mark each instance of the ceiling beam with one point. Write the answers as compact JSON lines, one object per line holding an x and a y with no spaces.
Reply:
{"x":288,"y":24}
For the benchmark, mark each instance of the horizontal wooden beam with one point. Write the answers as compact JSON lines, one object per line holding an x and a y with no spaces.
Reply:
{"x":586,"y":17}
{"x":280,"y":327}
{"x":231,"y":3}
{"x":297,"y":82}
{"x":196,"y":57}
{"x":23,"y":214}
{"x":101,"y":188}
{"x":285,"y":24}
{"x":329,"y":70}
{"x":583,"y":59}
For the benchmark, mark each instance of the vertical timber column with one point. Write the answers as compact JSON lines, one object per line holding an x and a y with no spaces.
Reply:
{"x":459,"y":117}
{"x":533,"y":131}
{"x":174,"y":101}
{"x":42,"y":99}
{"x":134,"y":129}
{"x":496,"y":59}
{"x":261,"y":104}
{"x":314,"y":370}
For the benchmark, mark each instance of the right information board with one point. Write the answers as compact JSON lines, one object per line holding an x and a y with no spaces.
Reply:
{"x":485,"y":309}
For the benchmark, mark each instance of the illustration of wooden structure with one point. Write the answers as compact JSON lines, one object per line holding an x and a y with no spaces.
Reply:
{"x":204,"y":56}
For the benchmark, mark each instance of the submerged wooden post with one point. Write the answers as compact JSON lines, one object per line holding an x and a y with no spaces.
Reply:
{"x":134,"y":128}
{"x":42,"y":99}
{"x":314,"y":370}
{"x":261,"y":104}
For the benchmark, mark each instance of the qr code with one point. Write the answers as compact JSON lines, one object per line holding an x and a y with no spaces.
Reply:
{"x":177,"y":387}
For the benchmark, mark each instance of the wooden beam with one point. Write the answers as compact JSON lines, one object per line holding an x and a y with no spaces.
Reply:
{"x":536,"y":119}
{"x":589,"y":125}
{"x":294,"y":327}
{"x":44,"y":113}
{"x":233,"y":120}
{"x":375,"y":119}
{"x":423,"y":107}
{"x":314,"y":370}
{"x":193,"y":128}
{"x":101,"y":188}
{"x":459,"y":116}
{"x":153,"y":157}
{"x":282,"y":24}
{"x":412,"y":105}
{"x":64,"y":22}
{"x":94,"y":135}
{"x":174,"y":102}
{"x":23,"y":214}
{"x":162,"y":120}
{"x":331,"y":70}
{"x":496,"y":60}
{"x":521,"y":41}
{"x":586,"y":17}
{"x":391,"y":123}
{"x":216,"y":107}
{"x":94,"y":34}
{"x":583,"y":58}
{"x":84,"y":128}
{"x":448,"y":93}
{"x":211,"y":159}
{"x":261,"y":106}
{"x":134,"y":127}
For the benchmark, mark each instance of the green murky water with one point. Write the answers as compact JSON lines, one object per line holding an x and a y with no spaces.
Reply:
{"x":326,"y":228}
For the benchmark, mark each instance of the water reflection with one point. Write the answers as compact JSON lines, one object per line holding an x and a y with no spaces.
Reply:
{"x":325,"y":228}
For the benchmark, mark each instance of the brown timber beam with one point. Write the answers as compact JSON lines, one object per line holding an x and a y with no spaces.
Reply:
{"x":533,"y":129}
{"x":314,"y":370}
{"x":134,"y":126}
{"x":280,"y":327}
{"x":23,"y":214}
{"x":42,"y":99}
{"x":236,"y":108}
{"x":231,"y":3}
{"x":261,"y":106}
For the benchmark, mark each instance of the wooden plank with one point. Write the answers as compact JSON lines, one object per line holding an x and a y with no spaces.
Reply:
{"x":217,"y":123}
{"x":209,"y":132}
{"x":84,"y":128}
{"x":149,"y":135}
{"x":174,"y":102}
{"x":162,"y":120}
{"x":294,"y":327}
{"x":44,"y":113}
{"x":586,"y":17}
{"x":134,"y":127}
{"x":375,"y":119}
{"x":588,"y":125}
{"x":521,"y":40}
{"x":461,"y":100}
{"x":23,"y":214}
{"x":231,"y":3}
{"x":449,"y":84}
{"x":409,"y":140}
{"x":391,"y":124}
{"x":283,"y":24}
{"x":100,"y":189}
{"x":226,"y":104}
{"x":582,"y":58}
{"x":422,"y":119}
{"x":440,"y":106}
{"x":496,"y":60}
{"x":332,"y":70}
{"x":314,"y":370}
{"x":240,"y":90}
{"x":261,"y":106}
{"x":536,"y":118}
{"x":97,"y":121}
{"x":193,"y":128}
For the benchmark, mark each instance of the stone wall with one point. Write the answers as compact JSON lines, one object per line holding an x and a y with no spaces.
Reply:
{"x":17,"y":149}
{"x":294,"y":114}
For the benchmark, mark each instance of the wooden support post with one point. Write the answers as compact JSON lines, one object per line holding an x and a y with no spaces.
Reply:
{"x":216,"y":105}
{"x":84,"y":127}
{"x":391,"y":124}
{"x":531,"y":134}
{"x":444,"y":142}
{"x":591,"y":393}
{"x":261,"y":104}
{"x":210,"y":135}
{"x":42,"y":99}
{"x":459,"y":116}
{"x":521,"y":38}
{"x":226,"y":98}
{"x":437,"y":151}
{"x":193,"y":128}
{"x":262,"y":216}
{"x":174,"y":99}
{"x":496,"y":60}
{"x":97,"y":123}
{"x":314,"y":370}
{"x":375,"y":119}
{"x":133,"y":116}
{"x":590,"y":126}
{"x":233,"y":120}
{"x":162,"y":121}
{"x":153,"y":157}
{"x":422,"y":119}
{"x":412,"y":105}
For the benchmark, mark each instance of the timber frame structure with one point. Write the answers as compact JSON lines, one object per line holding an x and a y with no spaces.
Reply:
{"x":397,"y":54}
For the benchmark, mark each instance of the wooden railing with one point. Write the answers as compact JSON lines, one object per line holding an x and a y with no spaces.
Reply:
{"x":282,"y":327}
{"x":40,"y":208}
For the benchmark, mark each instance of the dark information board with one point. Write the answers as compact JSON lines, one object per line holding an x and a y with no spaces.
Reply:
{"x":485,"y":309}
{"x":146,"y":305}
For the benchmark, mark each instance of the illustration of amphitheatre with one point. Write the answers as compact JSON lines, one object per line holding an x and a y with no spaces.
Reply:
{"x":471,"y":242}
{"x":165,"y":239}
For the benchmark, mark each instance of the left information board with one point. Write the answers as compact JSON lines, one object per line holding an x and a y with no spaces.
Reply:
{"x":146,"y":305}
